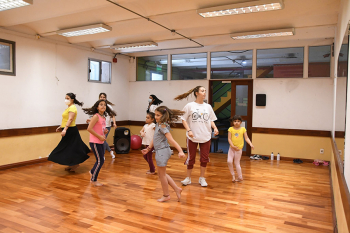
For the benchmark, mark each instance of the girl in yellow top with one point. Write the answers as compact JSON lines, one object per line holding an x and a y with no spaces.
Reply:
{"x":235,"y":139}
{"x":71,"y":150}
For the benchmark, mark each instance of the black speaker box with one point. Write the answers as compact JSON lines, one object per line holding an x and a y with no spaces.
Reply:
{"x":122,"y":140}
{"x":260,"y":100}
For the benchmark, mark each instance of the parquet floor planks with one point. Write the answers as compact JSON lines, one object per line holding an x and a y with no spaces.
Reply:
{"x":274,"y":197}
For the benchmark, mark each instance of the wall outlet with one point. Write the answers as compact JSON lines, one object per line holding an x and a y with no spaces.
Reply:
{"x":39,"y":157}
{"x":321,"y":151}
{"x":339,"y":152}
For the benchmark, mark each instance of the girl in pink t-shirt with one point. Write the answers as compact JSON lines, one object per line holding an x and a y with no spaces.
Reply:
{"x":97,"y":129}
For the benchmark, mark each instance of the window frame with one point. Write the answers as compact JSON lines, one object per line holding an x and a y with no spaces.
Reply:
{"x":171,"y":65}
{"x":100,"y":71}
{"x":12,"y":71}
{"x":151,"y":72}
{"x":303,"y":62}
{"x":330,"y":60}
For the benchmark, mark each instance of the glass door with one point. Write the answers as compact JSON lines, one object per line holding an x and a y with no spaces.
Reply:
{"x":229,"y":98}
{"x":242,"y":105}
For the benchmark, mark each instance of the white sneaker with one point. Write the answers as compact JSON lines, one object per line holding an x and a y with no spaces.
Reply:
{"x":113,"y":156}
{"x":202,"y":182}
{"x":186,"y":181}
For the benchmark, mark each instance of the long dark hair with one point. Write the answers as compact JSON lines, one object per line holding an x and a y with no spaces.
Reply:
{"x":93,"y":110}
{"x":185,"y":95}
{"x":102,"y":93}
{"x":73,"y":97}
{"x":156,"y":100}
{"x":169,"y":116}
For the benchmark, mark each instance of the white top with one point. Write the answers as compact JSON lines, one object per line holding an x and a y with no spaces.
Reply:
{"x":108,"y":118}
{"x":152,"y":108}
{"x":199,"y":118}
{"x":149,"y":133}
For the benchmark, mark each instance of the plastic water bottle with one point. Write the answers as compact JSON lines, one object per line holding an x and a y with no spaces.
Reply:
{"x":278,"y":156}
{"x":272,"y":156}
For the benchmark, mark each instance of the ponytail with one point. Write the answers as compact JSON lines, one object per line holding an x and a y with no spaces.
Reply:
{"x":185,"y":95}
{"x":169,"y":116}
{"x":73,"y":97}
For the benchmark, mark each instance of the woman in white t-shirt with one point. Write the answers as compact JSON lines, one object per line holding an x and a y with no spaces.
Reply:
{"x":153,"y":103}
{"x":198,"y":121}
{"x":109,"y":121}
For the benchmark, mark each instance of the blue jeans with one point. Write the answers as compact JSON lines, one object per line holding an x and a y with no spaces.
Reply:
{"x":105,"y":144}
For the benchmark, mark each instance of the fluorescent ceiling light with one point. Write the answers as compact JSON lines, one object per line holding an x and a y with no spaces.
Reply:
{"x":134,"y":46}
{"x":263,"y":34}
{"x":241,"y":8}
{"x":10,"y":4}
{"x":85,"y":30}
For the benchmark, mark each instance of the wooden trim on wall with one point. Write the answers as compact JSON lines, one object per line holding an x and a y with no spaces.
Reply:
{"x":42,"y":130}
{"x":339,"y":134}
{"x":52,"y":129}
{"x":24,"y":163}
{"x":343,"y":188}
{"x":299,"y":132}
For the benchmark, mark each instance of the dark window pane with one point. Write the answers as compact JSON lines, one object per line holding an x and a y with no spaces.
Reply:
{"x":231,"y":64}
{"x":152,"y":68}
{"x":189,"y":66}
{"x":280,"y":63}
{"x":319,"y":61}
{"x":343,"y":61}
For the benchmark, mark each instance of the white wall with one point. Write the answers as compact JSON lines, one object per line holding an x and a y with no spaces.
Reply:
{"x":45,"y":72}
{"x":164,"y":90}
{"x":340,"y":104}
{"x":294,"y":103}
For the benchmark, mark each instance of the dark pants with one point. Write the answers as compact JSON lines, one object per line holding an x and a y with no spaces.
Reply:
{"x":99,"y":154}
{"x":105,"y":144}
{"x":149,"y":159}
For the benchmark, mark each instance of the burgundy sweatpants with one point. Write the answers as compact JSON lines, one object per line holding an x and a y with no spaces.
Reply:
{"x":149,"y":159}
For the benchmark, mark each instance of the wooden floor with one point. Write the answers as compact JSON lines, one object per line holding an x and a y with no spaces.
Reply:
{"x":282,"y":197}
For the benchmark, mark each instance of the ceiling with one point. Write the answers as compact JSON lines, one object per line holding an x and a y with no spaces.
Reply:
{"x":311,"y":19}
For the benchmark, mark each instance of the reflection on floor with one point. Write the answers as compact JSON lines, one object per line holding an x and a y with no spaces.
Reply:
{"x":273,"y":197}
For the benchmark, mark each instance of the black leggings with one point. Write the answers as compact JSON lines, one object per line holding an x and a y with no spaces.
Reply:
{"x":99,"y":152}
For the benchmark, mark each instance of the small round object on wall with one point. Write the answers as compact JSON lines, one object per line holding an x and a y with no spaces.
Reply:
{"x":115,"y":60}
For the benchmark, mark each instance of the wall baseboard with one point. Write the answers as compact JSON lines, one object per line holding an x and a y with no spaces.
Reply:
{"x":24,"y":163}
{"x":51,"y":129}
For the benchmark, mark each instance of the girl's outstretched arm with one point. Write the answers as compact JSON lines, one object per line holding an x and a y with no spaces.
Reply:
{"x":248,"y":140}
{"x":216,"y":131}
{"x":175,"y":144}
{"x":189,"y":131}
{"x":93,"y":122}
{"x":146,"y":150}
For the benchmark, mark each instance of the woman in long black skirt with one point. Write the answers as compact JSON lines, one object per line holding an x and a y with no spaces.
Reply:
{"x":71,"y":150}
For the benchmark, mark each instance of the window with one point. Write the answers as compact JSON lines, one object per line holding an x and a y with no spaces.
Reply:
{"x":100,"y":71}
{"x":280,"y":63}
{"x":7,"y":57}
{"x":343,"y":61}
{"x":320,"y":61}
{"x":231,"y":64}
{"x":153,"y":68}
{"x":189,"y":66}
